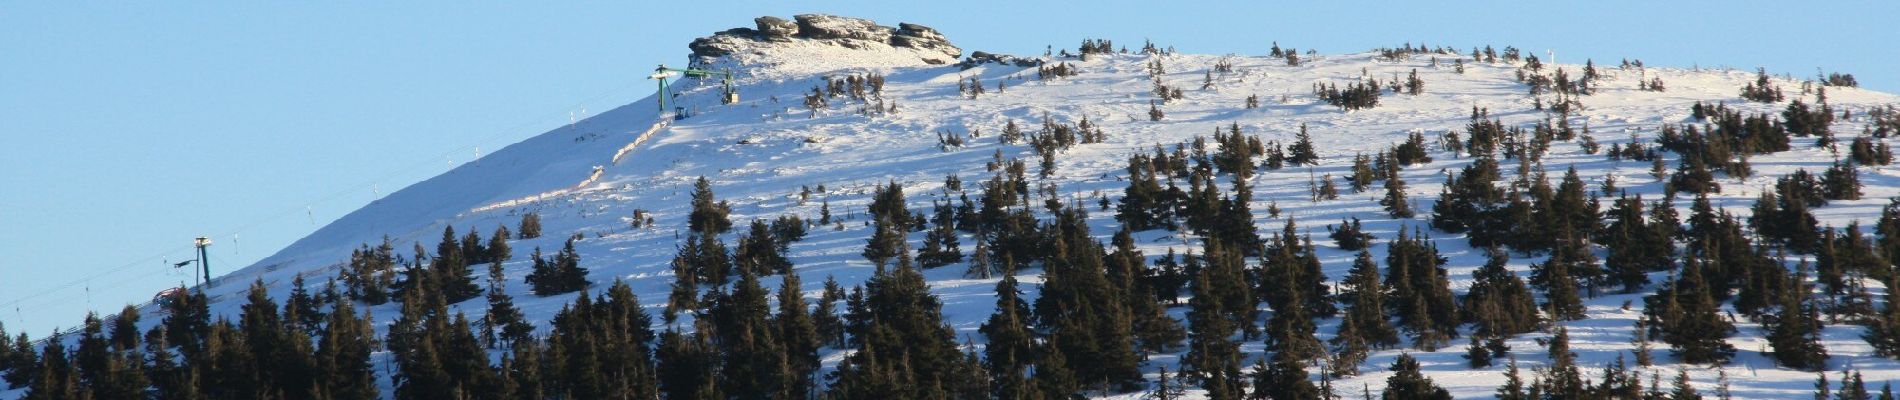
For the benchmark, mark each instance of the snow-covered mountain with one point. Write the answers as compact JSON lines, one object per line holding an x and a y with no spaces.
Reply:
{"x":588,"y":178}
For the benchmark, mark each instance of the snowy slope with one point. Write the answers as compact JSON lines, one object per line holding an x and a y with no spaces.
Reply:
{"x":761,"y":151}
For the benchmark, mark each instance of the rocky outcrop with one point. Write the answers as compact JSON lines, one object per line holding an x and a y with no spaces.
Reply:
{"x":769,"y":32}
{"x":983,"y":57}
{"x":775,"y":28}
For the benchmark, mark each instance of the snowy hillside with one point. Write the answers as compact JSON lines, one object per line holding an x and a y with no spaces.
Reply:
{"x":588,"y":178}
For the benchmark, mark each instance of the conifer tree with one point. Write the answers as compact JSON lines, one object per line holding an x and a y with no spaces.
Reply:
{"x":759,"y":251}
{"x":1351,"y":236}
{"x":799,"y":335}
{"x":1853,"y":387}
{"x":1285,"y":378}
{"x":563,"y":274}
{"x":1362,"y":173}
{"x":1513,"y":387}
{"x":1142,"y":207}
{"x":886,"y":238}
{"x":1011,"y":346}
{"x":1498,"y":303}
{"x":1469,"y":198}
{"x":1213,"y":358}
{"x":1302,"y":151}
{"x":1637,"y":245}
{"x":1054,"y":377}
{"x":1795,"y":332}
{"x":825,"y":316}
{"x":1394,"y":200}
{"x":708,"y":215}
{"x":753,"y":360}
{"x":1683,"y":390}
{"x":1561,"y":300}
{"x":1477,"y":355}
{"x":1562,"y":378}
{"x":1364,"y":322}
{"x":271,"y":341}
{"x":1421,"y":293}
{"x":343,"y":356}
{"x":1684,"y":314}
{"x":1883,"y":331}
{"x":1408,"y":383}
{"x":530,"y":226}
{"x":1083,"y":314}
{"x":686,"y":366}
{"x":940,"y":243}
{"x":902,"y":338}
{"x":451,"y":269}
{"x":503,"y":320}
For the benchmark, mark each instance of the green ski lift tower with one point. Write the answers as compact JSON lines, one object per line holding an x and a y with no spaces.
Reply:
{"x":728,"y":94}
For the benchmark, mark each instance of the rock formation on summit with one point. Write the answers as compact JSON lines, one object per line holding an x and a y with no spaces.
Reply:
{"x":804,"y":31}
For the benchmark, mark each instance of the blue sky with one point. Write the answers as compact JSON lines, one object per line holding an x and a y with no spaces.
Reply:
{"x":127,"y":128}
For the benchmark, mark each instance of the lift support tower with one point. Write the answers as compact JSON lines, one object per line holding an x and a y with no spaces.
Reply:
{"x":727,"y":95}
{"x":203,"y":260}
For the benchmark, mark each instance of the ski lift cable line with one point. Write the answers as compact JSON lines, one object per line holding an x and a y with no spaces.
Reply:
{"x":325,"y":199}
{"x":88,"y":278}
{"x":424,"y":162}
{"x":128,"y":279}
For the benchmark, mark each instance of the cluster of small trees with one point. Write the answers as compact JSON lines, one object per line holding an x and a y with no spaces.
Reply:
{"x":1057,"y":70}
{"x":860,"y":87}
{"x":1096,"y":46}
{"x":1762,"y":90}
{"x":1356,"y":96}
{"x":1291,"y":55}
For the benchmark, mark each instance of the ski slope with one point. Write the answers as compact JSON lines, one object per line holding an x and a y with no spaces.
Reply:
{"x":587,"y":178}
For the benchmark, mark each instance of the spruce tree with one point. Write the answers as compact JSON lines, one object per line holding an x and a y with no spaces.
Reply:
{"x":1408,"y":383}
{"x":1302,"y":151}
{"x":451,"y":269}
{"x":503,"y":320}
{"x":686,"y":366}
{"x":1795,"y":332}
{"x":1499,"y":304}
{"x":343,"y":356}
{"x":1683,"y":390}
{"x":1394,"y":200}
{"x":708,"y":215}
{"x":824,"y":314}
{"x":1562,"y":378}
{"x":753,"y":360}
{"x":1561,"y":300}
{"x":1082,"y":313}
{"x":562,"y":274}
{"x":1285,"y":378}
{"x":1364,"y":297}
{"x":760,"y":252}
{"x":1883,"y":331}
{"x":1011,"y":346}
{"x":1476,"y":355}
{"x":1513,"y":387}
{"x":798,"y":333}
{"x":902,"y":338}
{"x":1686,"y":316}
{"x":530,"y":226}
{"x":1213,"y":357}
{"x":1421,"y":293}
{"x":1350,"y":236}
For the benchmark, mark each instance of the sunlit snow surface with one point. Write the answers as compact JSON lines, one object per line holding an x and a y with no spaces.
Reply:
{"x":761,"y":151}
